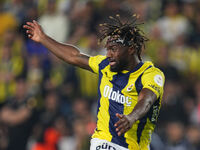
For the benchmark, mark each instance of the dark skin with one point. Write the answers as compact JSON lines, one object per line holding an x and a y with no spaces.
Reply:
{"x":123,"y":57}
{"x":120,"y":57}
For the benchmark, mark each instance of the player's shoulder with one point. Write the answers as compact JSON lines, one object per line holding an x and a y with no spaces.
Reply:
{"x":97,"y":62}
{"x":98,"y":58}
{"x":101,"y":57}
{"x":153,"y":77}
{"x":151,"y":68}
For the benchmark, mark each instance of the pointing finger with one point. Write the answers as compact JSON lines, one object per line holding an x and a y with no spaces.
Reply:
{"x":30,"y":24}
{"x":119,"y":115}
{"x":27,"y":27}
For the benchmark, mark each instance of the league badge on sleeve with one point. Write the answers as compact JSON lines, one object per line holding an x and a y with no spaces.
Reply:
{"x":158,"y":80}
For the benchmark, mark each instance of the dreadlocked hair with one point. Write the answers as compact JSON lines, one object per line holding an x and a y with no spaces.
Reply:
{"x":128,"y":32}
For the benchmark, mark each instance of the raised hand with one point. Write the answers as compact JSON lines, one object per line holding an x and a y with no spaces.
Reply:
{"x":123,"y":125}
{"x":34,"y":31}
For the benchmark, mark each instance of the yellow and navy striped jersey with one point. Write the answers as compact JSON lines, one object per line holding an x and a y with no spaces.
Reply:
{"x":118,"y":93}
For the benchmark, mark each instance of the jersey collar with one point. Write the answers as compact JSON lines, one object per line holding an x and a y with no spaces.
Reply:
{"x":139,"y":65}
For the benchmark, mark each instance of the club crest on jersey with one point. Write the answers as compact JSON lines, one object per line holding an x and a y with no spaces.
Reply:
{"x":116,"y":96}
{"x":129,"y":88}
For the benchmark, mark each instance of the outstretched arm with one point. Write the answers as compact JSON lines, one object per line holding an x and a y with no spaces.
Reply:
{"x":145,"y":101}
{"x":66,"y":52}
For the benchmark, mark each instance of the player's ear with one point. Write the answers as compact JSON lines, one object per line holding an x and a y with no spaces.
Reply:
{"x":131,"y":50}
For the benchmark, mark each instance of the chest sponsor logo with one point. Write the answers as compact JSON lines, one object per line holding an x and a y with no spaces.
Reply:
{"x":116,"y":96}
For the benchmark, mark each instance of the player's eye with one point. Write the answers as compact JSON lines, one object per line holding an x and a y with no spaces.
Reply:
{"x":114,"y":48}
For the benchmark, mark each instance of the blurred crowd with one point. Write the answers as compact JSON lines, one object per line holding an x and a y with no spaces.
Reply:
{"x":46,"y":104}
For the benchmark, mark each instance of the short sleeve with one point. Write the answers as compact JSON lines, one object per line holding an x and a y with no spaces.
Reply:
{"x":154,"y":79}
{"x":94,"y":62}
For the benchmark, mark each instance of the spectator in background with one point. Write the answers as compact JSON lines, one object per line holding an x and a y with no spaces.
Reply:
{"x":12,"y":39}
{"x":81,"y":109}
{"x":194,"y":38}
{"x":172,"y":106}
{"x":55,"y":23}
{"x":82,"y":138}
{"x":12,"y":65}
{"x":50,"y":140}
{"x":16,"y":8}
{"x":172,"y":24}
{"x":193,"y":136}
{"x":8,"y":21}
{"x":156,"y":142}
{"x":19,"y":115}
{"x":175,"y":138}
{"x":34,"y":75}
{"x":48,"y":136}
{"x":195,"y":114}
{"x":51,"y":110}
{"x":141,"y":7}
{"x":67,"y":139}
{"x":189,"y":11}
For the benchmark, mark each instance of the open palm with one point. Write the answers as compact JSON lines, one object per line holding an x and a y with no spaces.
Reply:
{"x":34,"y":31}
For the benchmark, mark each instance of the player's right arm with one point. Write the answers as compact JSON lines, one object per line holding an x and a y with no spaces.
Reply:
{"x":66,"y":52}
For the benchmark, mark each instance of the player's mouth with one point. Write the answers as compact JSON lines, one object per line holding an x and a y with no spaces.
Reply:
{"x":112,"y":62}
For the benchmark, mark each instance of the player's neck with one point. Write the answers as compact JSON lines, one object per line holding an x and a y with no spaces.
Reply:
{"x":133,"y":62}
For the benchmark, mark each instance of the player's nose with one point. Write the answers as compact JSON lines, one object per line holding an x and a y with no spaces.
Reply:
{"x":109,"y":54}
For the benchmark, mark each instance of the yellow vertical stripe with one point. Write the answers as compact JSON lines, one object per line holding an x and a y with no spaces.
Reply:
{"x":131,"y":135}
{"x":146,"y":135}
{"x":103,"y":116}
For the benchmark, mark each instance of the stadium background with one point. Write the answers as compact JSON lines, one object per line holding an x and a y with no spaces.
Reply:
{"x":51,"y":105}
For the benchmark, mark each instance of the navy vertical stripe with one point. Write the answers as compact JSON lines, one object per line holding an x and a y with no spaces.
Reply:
{"x":102,"y":65}
{"x":141,"y":125}
{"x":138,"y":84}
{"x":143,"y":121}
{"x":119,"y":82}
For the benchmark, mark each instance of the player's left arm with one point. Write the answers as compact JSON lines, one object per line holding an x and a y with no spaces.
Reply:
{"x":153,"y":82}
{"x":145,"y":101}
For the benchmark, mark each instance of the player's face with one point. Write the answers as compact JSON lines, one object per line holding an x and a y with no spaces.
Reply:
{"x":117,"y":56}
